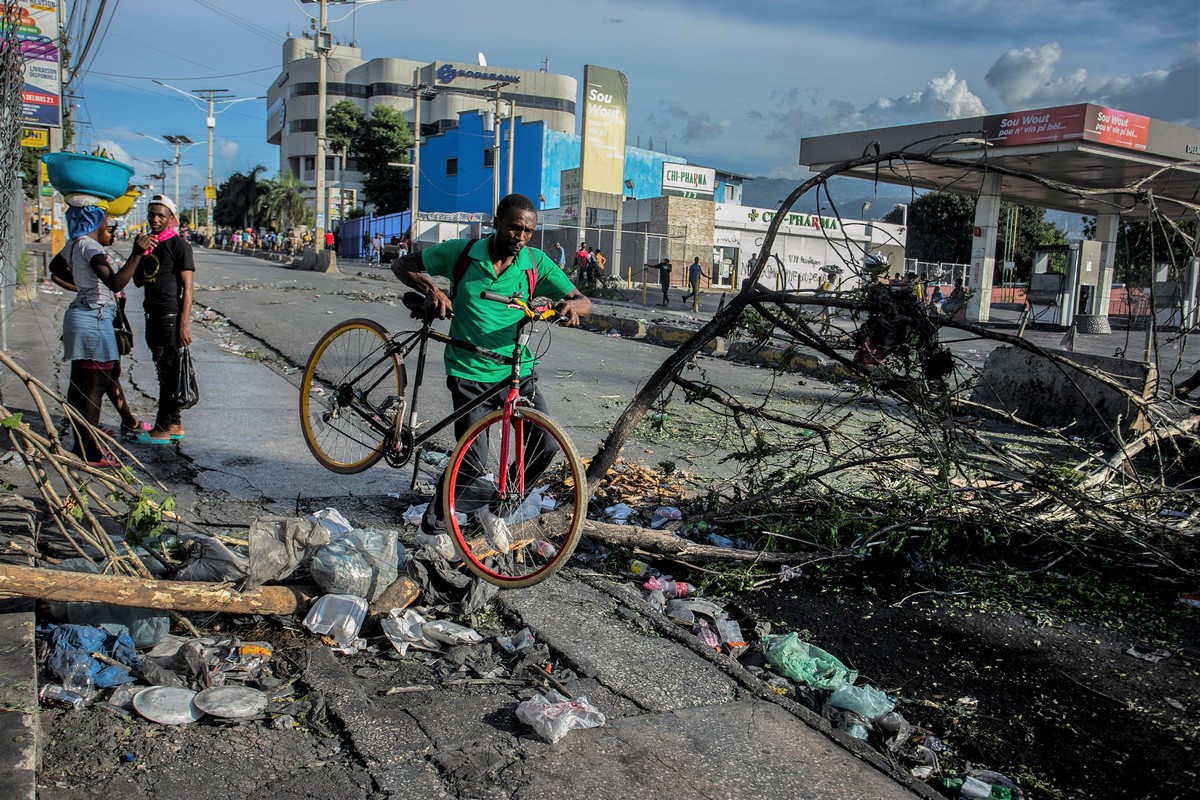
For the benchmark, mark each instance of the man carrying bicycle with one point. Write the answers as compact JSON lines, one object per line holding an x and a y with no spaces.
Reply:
{"x":501,"y":264}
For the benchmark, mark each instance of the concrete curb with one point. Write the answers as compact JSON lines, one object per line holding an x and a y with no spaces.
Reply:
{"x":19,"y":710}
{"x":673,"y":336}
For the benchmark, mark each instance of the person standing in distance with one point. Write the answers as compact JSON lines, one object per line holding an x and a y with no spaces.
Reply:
{"x":560,"y":255}
{"x":499,"y":263}
{"x":664,"y":279}
{"x":694,"y":273}
{"x":165,"y":276}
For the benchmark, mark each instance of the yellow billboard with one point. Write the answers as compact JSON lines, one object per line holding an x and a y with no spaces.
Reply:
{"x":606,"y":94}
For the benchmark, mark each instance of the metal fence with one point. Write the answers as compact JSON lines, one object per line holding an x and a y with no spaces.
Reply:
{"x":12,"y":239}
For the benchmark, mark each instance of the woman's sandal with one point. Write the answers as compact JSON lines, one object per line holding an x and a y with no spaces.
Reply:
{"x":144,"y":437}
{"x":141,"y":427}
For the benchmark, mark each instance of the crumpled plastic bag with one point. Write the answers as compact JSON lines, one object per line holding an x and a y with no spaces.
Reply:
{"x":866,"y":701}
{"x":280,"y":544}
{"x":442,"y":630}
{"x":805,"y":663}
{"x":619,"y":514}
{"x":332,"y":519}
{"x":554,"y":716}
{"x":405,"y":631}
{"x":209,"y":560}
{"x":361,"y":563}
{"x":70,"y":644}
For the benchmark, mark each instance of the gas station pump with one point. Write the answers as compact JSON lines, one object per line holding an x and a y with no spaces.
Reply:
{"x":1056,"y":298}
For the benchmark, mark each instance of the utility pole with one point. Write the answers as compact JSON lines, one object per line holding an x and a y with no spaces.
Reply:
{"x":210,"y":191}
{"x":496,"y":145}
{"x":512,"y":140}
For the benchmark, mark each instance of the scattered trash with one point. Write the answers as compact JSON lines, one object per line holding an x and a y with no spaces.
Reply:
{"x":1173,"y":514}
{"x":338,"y":616}
{"x":866,"y":701}
{"x":707,"y":636}
{"x":805,"y":663}
{"x":663,"y":515}
{"x":669,"y":586}
{"x":405,"y":631}
{"x":332,"y":519}
{"x":54,"y":695}
{"x":231,"y":702}
{"x":358,"y":562}
{"x":1147,"y":652}
{"x":167,"y":705}
{"x":619,"y":514}
{"x":145,"y":626}
{"x":209,"y":560}
{"x":519,"y":641}
{"x":787,"y":573}
{"x":642,"y":569}
{"x":414,"y":513}
{"x":280,"y":544}
{"x":441,"y":630}
{"x":1190,"y":599}
{"x":73,"y":645}
{"x":553,"y":716}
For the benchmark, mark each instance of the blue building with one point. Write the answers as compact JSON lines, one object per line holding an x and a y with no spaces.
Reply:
{"x":457,"y":169}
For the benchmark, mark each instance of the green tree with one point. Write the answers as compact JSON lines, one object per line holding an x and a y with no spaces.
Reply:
{"x":384,"y":137}
{"x":1143,"y":243}
{"x":941,"y":225}
{"x":283,"y":201}
{"x":342,"y":126}
{"x":236,"y":198}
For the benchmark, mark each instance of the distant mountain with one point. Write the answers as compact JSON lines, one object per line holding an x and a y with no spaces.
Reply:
{"x":849,"y":194}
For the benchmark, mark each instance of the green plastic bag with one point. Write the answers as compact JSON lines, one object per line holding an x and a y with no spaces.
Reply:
{"x":805,"y":663}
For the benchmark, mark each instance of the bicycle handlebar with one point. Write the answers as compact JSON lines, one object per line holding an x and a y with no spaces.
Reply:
{"x":532,"y":313}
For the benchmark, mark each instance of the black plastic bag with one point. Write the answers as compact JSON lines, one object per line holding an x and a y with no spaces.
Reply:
{"x":122,"y":329}
{"x":184,"y":390}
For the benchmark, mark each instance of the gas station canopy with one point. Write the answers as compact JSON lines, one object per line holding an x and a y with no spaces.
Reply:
{"x":1086,"y":146}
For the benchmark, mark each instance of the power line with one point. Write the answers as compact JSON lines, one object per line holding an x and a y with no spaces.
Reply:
{"x":240,"y":21}
{"x":194,"y":78}
{"x":87,"y":45}
{"x":111,"y":17}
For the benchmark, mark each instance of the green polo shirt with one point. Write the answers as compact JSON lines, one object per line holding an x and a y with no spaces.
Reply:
{"x":486,"y":323}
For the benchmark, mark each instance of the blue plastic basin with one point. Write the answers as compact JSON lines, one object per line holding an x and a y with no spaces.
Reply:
{"x":75,"y":172}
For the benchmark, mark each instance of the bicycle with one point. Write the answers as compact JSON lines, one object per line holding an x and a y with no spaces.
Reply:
{"x":357,"y":408}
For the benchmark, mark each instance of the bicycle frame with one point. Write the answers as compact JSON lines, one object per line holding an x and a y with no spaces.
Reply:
{"x":401,"y":346}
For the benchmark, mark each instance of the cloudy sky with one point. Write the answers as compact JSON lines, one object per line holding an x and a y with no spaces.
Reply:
{"x":727,"y":84}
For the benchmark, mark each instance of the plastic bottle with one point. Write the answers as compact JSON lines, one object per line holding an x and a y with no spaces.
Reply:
{"x":54,"y":695}
{"x":670,"y":587}
{"x":79,"y":680}
{"x":706,"y":635}
{"x":642,"y":569}
{"x":545,"y":549}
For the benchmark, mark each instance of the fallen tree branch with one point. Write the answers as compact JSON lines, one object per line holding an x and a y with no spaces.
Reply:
{"x":676,"y":547}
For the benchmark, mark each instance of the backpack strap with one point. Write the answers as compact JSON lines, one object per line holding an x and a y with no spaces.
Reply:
{"x":464,"y":261}
{"x":460,"y":267}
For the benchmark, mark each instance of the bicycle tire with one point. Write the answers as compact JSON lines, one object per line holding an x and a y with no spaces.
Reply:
{"x":338,"y":419}
{"x":540,"y":545}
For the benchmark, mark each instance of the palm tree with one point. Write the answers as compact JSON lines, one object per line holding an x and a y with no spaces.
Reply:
{"x":247,"y":193}
{"x":284,"y":200}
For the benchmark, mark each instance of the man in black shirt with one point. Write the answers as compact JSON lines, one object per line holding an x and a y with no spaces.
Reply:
{"x":165,"y":275}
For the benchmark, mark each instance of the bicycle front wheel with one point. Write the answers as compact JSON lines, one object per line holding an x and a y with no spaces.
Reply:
{"x":514,"y":498}
{"x":352,"y":389}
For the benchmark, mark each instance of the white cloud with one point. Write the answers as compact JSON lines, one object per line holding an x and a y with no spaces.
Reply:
{"x":116,"y":151}
{"x":227,"y":148}
{"x":1025,"y":78}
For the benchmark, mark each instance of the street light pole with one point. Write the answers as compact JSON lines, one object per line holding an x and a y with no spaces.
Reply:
{"x":210,"y":121}
{"x":176,"y":141}
{"x":323,"y":45}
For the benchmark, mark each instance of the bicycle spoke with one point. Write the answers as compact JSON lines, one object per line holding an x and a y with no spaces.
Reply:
{"x":519,"y":503}
{"x":352,"y":386}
